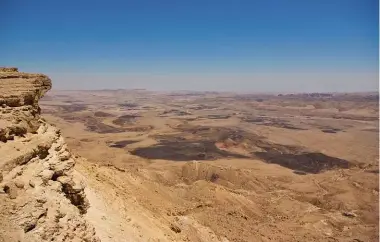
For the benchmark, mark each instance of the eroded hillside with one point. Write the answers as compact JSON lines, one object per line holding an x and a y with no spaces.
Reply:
{"x":145,"y":166}
{"x":40,"y":198}
{"x":224,"y":167}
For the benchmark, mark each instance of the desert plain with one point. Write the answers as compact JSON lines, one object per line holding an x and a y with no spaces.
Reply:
{"x":210,"y":166}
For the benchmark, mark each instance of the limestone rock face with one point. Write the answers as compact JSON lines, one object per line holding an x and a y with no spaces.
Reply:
{"x":19,"y":95}
{"x":20,"y":89}
{"x":40,"y":197}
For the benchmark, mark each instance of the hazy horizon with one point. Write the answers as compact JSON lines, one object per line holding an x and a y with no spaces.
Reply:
{"x":245,"y":46}
{"x":319,"y":83}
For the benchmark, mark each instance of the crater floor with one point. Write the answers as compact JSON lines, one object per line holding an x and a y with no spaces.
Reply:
{"x":224,"y":167}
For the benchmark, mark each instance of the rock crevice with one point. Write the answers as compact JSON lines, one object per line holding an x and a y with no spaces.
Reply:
{"x":40,"y":197}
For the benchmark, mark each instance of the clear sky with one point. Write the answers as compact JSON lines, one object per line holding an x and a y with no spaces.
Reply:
{"x":222,"y":45}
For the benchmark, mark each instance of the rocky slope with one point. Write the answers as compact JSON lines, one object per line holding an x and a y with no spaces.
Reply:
{"x":136,"y":198}
{"x":41,"y":198}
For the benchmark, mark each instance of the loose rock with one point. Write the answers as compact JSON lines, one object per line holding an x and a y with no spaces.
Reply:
{"x":19,"y":184}
{"x":349,"y":214}
{"x":47,"y":175}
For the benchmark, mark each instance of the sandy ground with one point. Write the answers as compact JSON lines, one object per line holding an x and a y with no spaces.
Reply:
{"x":221,"y":167}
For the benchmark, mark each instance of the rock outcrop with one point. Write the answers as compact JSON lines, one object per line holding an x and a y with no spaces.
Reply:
{"x":40,"y":197}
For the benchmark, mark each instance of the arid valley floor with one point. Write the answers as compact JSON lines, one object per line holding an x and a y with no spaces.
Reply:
{"x":192,"y":166}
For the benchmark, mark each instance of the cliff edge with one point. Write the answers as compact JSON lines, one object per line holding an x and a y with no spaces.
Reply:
{"x":40,"y":198}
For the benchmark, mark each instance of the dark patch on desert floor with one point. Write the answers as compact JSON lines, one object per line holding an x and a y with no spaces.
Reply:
{"x":352,"y":117}
{"x":184,"y":150}
{"x":373,"y":171}
{"x":122,"y":143}
{"x":85,"y":140}
{"x":331,"y":130}
{"x":305,"y":162}
{"x":128,"y":105}
{"x":218,"y":116}
{"x":73,"y":108}
{"x":244,"y":165}
{"x":125,"y":119}
{"x":102,"y":114}
{"x":94,"y":125}
{"x":201,"y":107}
{"x":376,"y":130}
{"x":192,"y":147}
{"x":73,"y":101}
{"x":272,"y":122}
{"x":174,"y":112}
{"x":139,"y":128}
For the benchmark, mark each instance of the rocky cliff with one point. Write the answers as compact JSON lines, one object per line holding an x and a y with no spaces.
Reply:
{"x":40,"y":197}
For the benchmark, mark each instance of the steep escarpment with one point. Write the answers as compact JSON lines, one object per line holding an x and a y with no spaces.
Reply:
{"x":40,"y":197}
{"x":19,"y":95}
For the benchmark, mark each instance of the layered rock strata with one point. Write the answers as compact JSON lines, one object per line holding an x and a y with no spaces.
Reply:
{"x":40,"y":197}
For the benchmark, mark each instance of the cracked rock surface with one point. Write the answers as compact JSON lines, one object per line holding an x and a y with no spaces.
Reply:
{"x":40,"y":197}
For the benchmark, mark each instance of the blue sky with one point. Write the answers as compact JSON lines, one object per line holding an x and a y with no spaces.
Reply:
{"x":253,"y":45}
